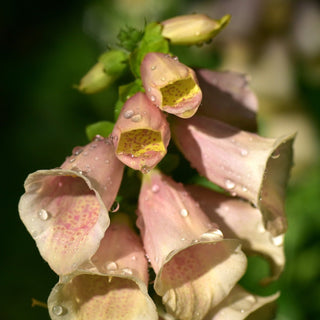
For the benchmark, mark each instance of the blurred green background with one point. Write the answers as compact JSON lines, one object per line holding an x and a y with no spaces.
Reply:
{"x":48,"y":46}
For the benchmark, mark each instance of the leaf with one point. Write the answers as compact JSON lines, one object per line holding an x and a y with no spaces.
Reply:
{"x":102,"y":128}
{"x":114,"y":61}
{"x":129,"y":38}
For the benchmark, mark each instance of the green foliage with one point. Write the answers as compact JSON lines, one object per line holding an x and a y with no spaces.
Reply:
{"x":129,"y":37}
{"x":102,"y":128}
{"x":114,"y":61}
{"x":152,"y":41}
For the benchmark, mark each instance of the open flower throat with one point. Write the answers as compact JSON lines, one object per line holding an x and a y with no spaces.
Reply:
{"x":140,"y":143}
{"x":179,"y":91}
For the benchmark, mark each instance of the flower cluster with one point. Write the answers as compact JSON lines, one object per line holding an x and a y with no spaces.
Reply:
{"x":194,"y":239}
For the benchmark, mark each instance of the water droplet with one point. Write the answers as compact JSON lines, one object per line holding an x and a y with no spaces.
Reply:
{"x":230,"y":184}
{"x":107,"y":161}
{"x":128,"y":114}
{"x":175,"y":58}
{"x":98,"y":138}
{"x":155,"y":188}
{"x":145,"y":169}
{"x":133,"y":258}
{"x":115,"y":207}
{"x":153,"y":67}
{"x":183,"y":239}
{"x":136,"y":118}
{"x":244,"y":152}
{"x":127,"y":271}
{"x":278,"y":240}
{"x":163,"y":78}
{"x":96,"y":158}
{"x":111,"y":266}
{"x":212,"y":235}
{"x":184,"y":212}
{"x":76,"y":151}
{"x":149,"y":89}
{"x":72,"y":159}
{"x":275,"y":154}
{"x":57,"y":310}
{"x":34,"y":234}
{"x":244,"y":189}
{"x":43,"y":215}
{"x":153,"y":98}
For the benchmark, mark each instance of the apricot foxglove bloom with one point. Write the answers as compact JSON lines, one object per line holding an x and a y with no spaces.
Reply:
{"x":227,"y":97}
{"x":245,"y":164}
{"x":192,"y":29}
{"x":112,"y":286}
{"x":141,"y":134}
{"x":170,"y":85}
{"x":238,"y":219}
{"x":66,"y":209}
{"x":195,"y":267}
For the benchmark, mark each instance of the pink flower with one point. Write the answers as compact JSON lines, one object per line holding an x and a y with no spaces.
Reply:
{"x":66,"y":209}
{"x":243,"y":163}
{"x":195,"y":266}
{"x":113,"y":285}
{"x":170,"y":85}
{"x":141,"y":134}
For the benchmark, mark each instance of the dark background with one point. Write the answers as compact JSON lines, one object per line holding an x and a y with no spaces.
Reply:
{"x":46,"y":47}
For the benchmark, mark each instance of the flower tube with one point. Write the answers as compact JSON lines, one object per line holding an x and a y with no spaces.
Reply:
{"x":141,"y":134}
{"x":243,"y":163}
{"x":195,"y":267}
{"x":66,"y":209}
{"x":228,"y":98}
{"x":238,"y":219}
{"x":112,"y":286}
{"x":170,"y":85}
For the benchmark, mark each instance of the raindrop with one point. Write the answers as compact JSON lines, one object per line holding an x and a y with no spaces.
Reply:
{"x":153,"y":67}
{"x":145,"y":169}
{"x":183,"y":239}
{"x":133,"y":258}
{"x":184,"y":212}
{"x":111,"y":266}
{"x":127,"y":271}
{"x":149,"y":89}
{"x":211,"y":235}
{"x":76,"y":151}
{"x":72,"y":159}
{"x":230,"y":184}
{"x":136,"y":118}
{"x":153,"y":98}
{"x":43,"y":215}
{"x":115,"y":207}
{"x":128,"y":114}
{"x":275,"y":154}
{"x":163,"y":78}
{"x":155,"y":188}
{"x":57,"y":310}
{"x":278,"y":240}
{"x":175,"y":58}
{"x":244,"y":189}
{"x":98,"y":138}
{"x":244,"y":152}
{"x":107,"y":161}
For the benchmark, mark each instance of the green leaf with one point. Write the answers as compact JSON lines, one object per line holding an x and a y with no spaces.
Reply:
{"x":125,"y":92}
{"x":114,"y":61}
{"x":129,"y":37}
{"x":152,"y":41}
{"x":102,"y":128}
{"x":202,"y":181}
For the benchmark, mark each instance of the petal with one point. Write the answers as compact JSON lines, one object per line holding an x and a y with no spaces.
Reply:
{"x":113,"y":287}
{"x":141,"y":134}
{"x":195,"y":268}
{"x":243,"y":163}
{"x":240,"y":304}
{"x":170,"y":85}
{"x":66,"y":209}
{"x":228,"y":98}
{"x":238,"y":219}
{"x":192,"y":29}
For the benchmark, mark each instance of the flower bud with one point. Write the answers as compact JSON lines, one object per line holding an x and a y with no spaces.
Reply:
{"x":141,"y":134}
{"x":170,"y":85}
{"x":192,"y":29}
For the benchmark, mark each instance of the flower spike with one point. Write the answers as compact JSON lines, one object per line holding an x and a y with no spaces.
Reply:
{"x":112,"y":286}
{"x":243,"y":163}
{"x":195,"y":267}
{"x":170,"y":85}
{"x":66,"y":209}
{"x":141,"y":134}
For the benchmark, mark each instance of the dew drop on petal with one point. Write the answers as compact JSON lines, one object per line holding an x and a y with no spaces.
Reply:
{"x":155,"y":188}
{"x":278,"y":240}
{"x":111,"y":266}
{"x":153,"y":98}
{"x":115,"y":207}
{"x":145,"y":169}
{"x":57,"y":310}
{"x":244,"y":189}
{"x":184,"y":212}
{"x":153,"y":67}
{"x":128,"y":114}
{"x":230,"y":184}
{"x":163,"y":79}
{"x":76,"y":151}
{"x":43,"y":215}
{"x":133,"y":258}
{"x":211,"y":235}
{"x":136,"y":118}
{"x":127,"y":271}
{"x":244,"y":152}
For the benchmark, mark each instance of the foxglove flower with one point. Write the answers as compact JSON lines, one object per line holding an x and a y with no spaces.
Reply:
{"x":112,"y":286}
{"x":238,"y":219}
{"x":228,"y":98}
{"x":240,"y":304}
{"x":170,"y":85}
{"x":192,"y":29}
{"x":66,"y":209}
{"x":195,"y":267}
{"x":243,"y":163}
{"x":141,"y":134}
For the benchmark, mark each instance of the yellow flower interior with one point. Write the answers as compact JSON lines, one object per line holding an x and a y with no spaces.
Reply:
{"x":179,"y":91}
{"x":140,"y":142}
